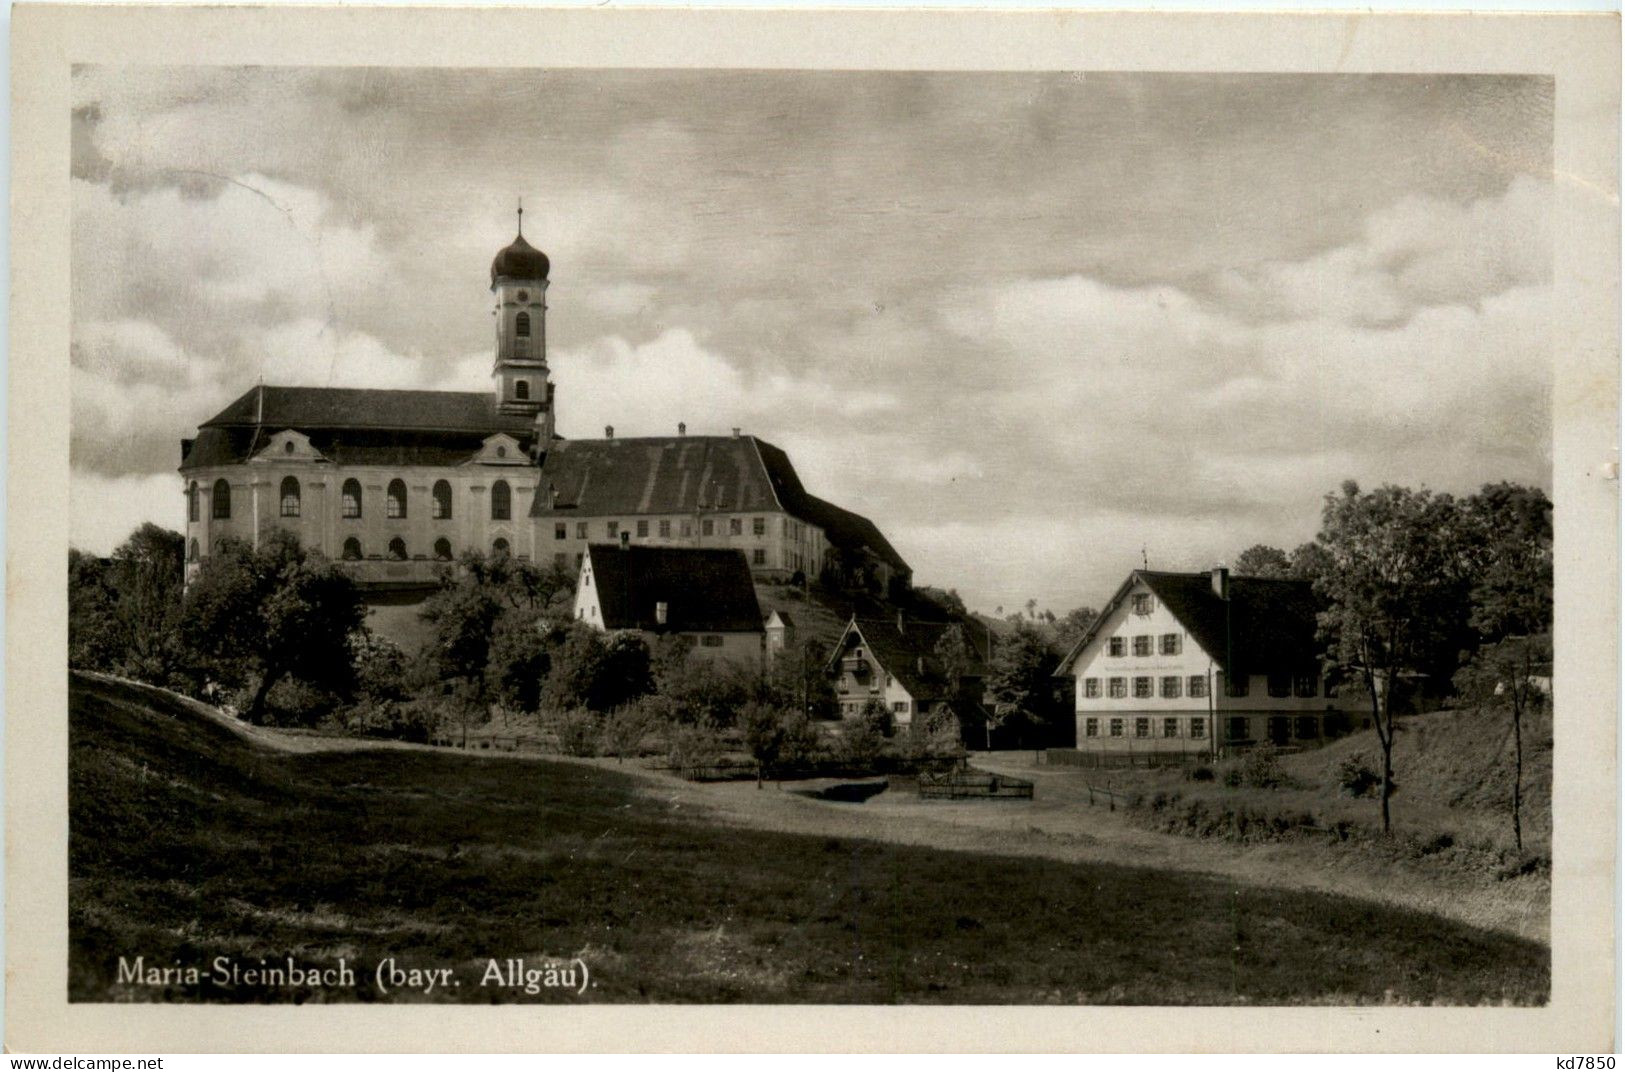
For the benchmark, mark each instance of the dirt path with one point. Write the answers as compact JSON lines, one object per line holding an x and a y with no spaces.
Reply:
{"x":1057,"y":824}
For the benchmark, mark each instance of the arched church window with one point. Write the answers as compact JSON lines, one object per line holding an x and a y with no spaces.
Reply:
{"x":191,"y":550}
{"x":222,"y":500}
{"x":442,"y":500}
{"x":350,"y":495}
{"x":395,"y":499}
{"x":500,"y":547}
{"x":191,"y":502}
{"x":352,"y":549}
{"x":442,"y":549}
{"x":521,"y":390}
{"x":521,"y":325}
{"x":397,"y":549}
{"x":290,"y":497}
{"x":501,"y":501}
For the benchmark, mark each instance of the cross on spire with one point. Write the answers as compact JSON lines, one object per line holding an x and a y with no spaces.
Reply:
{"x":521,"y":217}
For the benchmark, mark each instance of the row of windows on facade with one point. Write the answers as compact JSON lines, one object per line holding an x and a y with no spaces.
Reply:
{"x":353,"y":552}
{"x":1237,"y":728}
{"x":1304,"y":686}
{"x":1167,"y":644}
{"x":350,"y":496}
{"x":899,"y":707}
{"x":736,"y":527}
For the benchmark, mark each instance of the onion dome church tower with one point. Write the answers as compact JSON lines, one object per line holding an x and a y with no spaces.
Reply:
{"x":519,"y":377}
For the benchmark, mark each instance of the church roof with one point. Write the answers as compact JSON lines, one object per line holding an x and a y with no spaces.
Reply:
{"x":356,"y":426}
{"x":520,"y":260}
{"x":692,"y":474}
{"x":705,"y":589}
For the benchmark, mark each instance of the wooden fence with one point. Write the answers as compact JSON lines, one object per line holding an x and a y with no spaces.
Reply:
{"x":971,"y":783}
{"x":1068,"y":757}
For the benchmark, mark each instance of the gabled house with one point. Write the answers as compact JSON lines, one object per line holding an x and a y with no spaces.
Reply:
{"x":894,"y":660}
{"x":702,"y":595}
{"x":1202,"y":663}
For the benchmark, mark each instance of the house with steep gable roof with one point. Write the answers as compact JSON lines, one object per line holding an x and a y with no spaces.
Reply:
{"x":1204,"y":663}
{"x":895,"y":661}
{"x":704,"y":596}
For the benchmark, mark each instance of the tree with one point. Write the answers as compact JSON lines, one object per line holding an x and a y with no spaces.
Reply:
{"x":954,"y":657}
{"x":577,"y":662}
{"x":1261,"y":560}
{"x":1070,"y":629}
{"x":949,"y":600}
{"x":1021,"y":681}
{"x":1509,"y":530}
{"x":1392,"y":589}
{"x":518,"y":660}
{"x":276,"y":612}
{"x":629,"y":725}
{"x":764,"y":735}
{"x":124,"y":612}
{"x":1309,"y":561}
{"x":795,"y":679}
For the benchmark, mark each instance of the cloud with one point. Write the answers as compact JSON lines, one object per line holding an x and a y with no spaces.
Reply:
{"x":103,"y":511}
{"x":1020,"y":353}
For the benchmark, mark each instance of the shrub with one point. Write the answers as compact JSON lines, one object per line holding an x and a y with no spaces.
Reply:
{"x":629,"y":725}
{"x":1200,"y":774}
{"x":1356,"y":777}
{"x":858,"y":743}
{"x":1232,"y":777}
{"x":577,"y":731}
{"x":293,"y":702}
{"x":694,"y":748}
{"x":1262,"y":769}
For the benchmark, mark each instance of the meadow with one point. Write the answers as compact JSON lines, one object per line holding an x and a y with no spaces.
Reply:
{"x":189,"y":840}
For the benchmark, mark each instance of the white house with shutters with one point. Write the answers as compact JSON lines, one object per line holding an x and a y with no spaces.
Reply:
{"x":1204,"y":663}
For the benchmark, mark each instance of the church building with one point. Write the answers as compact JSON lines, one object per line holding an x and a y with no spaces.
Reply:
{"x":396,"y":483}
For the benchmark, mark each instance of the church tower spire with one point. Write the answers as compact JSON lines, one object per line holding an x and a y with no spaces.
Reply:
{"x":519,"y":376}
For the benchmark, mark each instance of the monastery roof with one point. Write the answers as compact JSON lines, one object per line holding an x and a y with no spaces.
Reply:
{"x":692,"y":474}
{"x":705,"y":589}
{"x":1270,"y":622}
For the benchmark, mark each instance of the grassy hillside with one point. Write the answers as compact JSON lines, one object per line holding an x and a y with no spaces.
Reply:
{"x":189,"y":841}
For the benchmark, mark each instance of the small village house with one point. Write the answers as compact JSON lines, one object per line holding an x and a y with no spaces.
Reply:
{"x":894,"y":660}
{"x":702,"y":595}
{"x":1204,"y":663}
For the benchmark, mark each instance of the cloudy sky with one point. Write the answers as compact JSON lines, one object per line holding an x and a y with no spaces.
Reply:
{"x":1028,"y":323}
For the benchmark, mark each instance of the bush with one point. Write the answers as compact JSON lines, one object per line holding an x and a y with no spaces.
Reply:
{"x":1232,"y":778}
{"x":694,"y":748}
{"x":1200,"y":774}
{"x":577,"y":731}
{"x":858,"y":743}
{"x":1356,"y":777}
{"x":1262,"y":769}
{"x":292,"y":702}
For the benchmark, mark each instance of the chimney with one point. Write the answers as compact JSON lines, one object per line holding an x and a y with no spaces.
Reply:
{"x":919,"y":665}
{"x":552,"y":496}
{"x":609,"y":431}
{"x":736,"y":433}
{"x":1221,"y":582}
{"x":660,"y":613}
{"x":626,"y":539}
{"x":682,"y":429}
{"x":900,"y":628}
